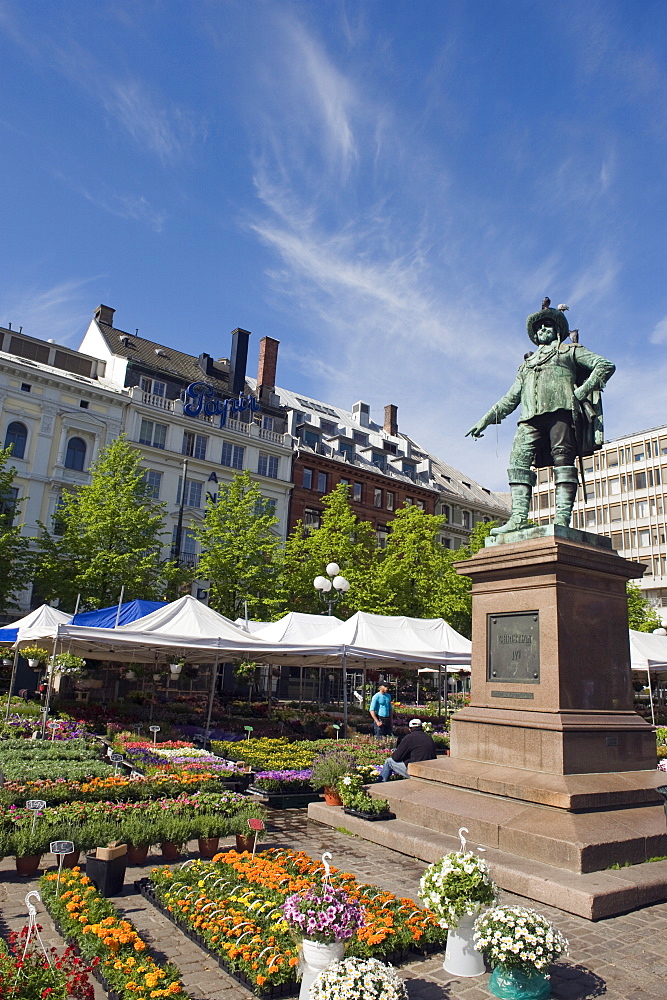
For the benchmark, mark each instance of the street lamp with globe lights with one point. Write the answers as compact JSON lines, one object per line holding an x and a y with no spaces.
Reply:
{"x":326,"y":587}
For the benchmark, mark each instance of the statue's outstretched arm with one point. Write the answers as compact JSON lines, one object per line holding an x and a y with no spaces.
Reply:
{"x":499,"y":410}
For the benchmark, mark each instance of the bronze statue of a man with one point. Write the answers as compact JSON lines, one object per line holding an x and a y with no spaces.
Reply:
{"x":558,"y":387}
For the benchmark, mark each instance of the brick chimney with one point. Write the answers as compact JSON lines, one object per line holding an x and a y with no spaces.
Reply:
{"x":104,"y":315}
{"x":268,"y":362}
{"x":238,"y":360}
{"x":391,"y":419}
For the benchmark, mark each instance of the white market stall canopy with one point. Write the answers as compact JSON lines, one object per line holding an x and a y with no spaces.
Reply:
{"x":296,"y":627}
{"x":648,"y":651}
{"x":185,"y":627}
{"x":380,"y":641}
{"x":41,"y":624}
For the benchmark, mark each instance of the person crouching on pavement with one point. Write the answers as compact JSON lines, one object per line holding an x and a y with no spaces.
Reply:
{"x":417,"y":745}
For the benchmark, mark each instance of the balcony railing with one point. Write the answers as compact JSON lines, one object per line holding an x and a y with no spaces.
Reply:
{"x":162,"y":403}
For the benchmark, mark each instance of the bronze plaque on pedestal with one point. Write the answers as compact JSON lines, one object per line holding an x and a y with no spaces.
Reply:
{"x":513,"y":650}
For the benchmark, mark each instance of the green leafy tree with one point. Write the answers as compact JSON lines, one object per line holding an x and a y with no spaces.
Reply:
{"x":110,"y":536}
{"x":341,"y":538}
{"x":15,"y":557}
{"x":409,"y":568}
{"x":239,"y":546}
{"x":641,"y":615}
{"x":454,"y":592}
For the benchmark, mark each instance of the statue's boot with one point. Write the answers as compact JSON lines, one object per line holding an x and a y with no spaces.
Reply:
{"x":521,"y":486}
{"x":566,"y":492}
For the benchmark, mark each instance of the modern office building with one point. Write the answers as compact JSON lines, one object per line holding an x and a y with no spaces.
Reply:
{"x":626,"y":499}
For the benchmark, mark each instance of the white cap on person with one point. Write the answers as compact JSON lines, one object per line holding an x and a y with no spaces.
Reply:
{"x":414,"y":723}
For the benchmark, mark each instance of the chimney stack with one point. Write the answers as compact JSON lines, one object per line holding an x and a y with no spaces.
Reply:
{"x":104,"y":315}
{"x":238,"y":360}
{"x":391,"y":419}
{"x":268,"y":363}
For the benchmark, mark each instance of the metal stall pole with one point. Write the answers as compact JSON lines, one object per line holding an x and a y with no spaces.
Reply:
{"x":211,"y":696}
{"x":440,"y":688}
{"x":344,"y":693}
{"x":48,"y":687}
{"x":650,"y":695}
{"x":13,"y":678}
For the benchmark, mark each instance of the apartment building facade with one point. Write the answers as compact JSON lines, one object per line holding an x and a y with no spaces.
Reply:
{"x":625,"y":498}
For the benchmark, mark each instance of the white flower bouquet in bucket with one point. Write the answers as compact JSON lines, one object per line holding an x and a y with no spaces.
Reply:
{"x":520,"y":945}
{"x":456,"y":888}
{"x":354,"y":978}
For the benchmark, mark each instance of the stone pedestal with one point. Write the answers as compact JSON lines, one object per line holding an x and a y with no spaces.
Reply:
{"x":551,"y":682}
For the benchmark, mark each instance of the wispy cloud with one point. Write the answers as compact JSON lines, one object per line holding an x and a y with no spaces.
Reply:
{"x":59,"y":312}
{"x":167,"y":130}
{"x":124,"y":206}
{"x":659,"y":334}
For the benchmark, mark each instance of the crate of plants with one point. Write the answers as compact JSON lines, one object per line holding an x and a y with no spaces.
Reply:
{"x":28,"y":760}
{"x":114,"y":788}
{"x":284,"y":789}
{"x":29,"y":973}
{"x":357,"y":801}
{"x":94,"y":925}
{"x":234,"y":907}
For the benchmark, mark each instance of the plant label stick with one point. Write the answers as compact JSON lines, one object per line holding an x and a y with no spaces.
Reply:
{"x":60,"y":848}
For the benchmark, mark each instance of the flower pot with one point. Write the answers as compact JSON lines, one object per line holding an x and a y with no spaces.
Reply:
{"x":208,"y":846}
{"x":461,"y":956}
{"x":28,"y":864}
{"x":245,"y":842}
{"x":316,"y":958}
{"x":170,"y":850}
{"x":332,"y":798}
{"x":176,"y":668}
{"x":130,"y":675}
{"x":71,"y":860}
{"x":513,"y":984}
{"x":137,"y":854}
{"x":156,"y":677}
{"x":33,"y":664}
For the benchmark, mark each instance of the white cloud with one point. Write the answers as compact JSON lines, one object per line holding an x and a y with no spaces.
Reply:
{"x":659,"y":334}
{"x":59,"y":312}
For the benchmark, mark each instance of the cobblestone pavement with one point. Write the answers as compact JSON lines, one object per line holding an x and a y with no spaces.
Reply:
{"x":623,"y":958}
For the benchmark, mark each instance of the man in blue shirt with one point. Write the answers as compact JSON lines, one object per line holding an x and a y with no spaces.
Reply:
{"x":381,"y":711}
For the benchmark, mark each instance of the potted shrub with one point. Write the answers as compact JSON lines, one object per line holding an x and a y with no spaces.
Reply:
{"x":456,"y":888}
{"x":174,"y":833}
{"x":356,"y":977}
{"x":520,"y":944}
{"x":68,"y":663}
{"x":35,"y":655}
{"x":324,"y":918}
{"x":246,"y":838}
{"x":27,"y":846}
{"x":327,"y":770}
{"x":138,"y":832}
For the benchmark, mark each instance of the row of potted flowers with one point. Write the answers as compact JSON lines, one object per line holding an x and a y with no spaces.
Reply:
{"x":172,"y":822}
{"x":237,"y":906}
{"x":279,"y":754}
{"x":93,"y":923}
{"x":114,"y":788}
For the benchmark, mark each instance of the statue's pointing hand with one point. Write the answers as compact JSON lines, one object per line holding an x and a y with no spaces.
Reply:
{"x":477,"y":430}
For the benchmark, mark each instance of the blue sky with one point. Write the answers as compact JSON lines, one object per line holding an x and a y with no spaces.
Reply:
{"x":388,"y":188}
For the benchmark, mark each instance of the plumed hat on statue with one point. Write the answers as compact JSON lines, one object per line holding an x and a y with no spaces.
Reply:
{"x":552,"y":317}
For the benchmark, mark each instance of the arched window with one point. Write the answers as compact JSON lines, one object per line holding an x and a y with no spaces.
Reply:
{"x":17,"y":435}
{"x":75,"y":456}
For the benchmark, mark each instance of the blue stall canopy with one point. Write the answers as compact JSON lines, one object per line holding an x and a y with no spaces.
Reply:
{"x":106,"y":617}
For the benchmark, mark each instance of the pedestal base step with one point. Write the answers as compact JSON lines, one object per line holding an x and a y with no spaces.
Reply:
{"x":594,"y":895}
